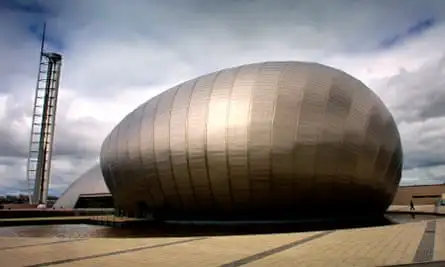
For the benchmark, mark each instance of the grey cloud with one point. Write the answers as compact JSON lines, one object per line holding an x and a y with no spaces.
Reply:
{"x":156,"y":42}
{"x":423,"y":143}
{"x":76,"y":145}
{"x":110,"y":46}
{"x":419,"y":94}
{"x":67,"y":170}
{"x":427,"y":175}
{"x":9,"y":147}
{"x":78,"y":138}
{"x":73,"y":137}
{"x":12,"y":173}
{"x":423,"y":181}
{"x":435,"y":109}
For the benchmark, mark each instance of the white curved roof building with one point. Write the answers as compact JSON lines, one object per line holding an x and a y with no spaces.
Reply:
{"x":91,"y":182}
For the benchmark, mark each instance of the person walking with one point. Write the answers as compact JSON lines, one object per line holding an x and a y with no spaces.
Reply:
{"x":411,"y":204}
{"x":412,"y":209}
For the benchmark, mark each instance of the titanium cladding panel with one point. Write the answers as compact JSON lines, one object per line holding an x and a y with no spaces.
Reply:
{"x":272,"y":137}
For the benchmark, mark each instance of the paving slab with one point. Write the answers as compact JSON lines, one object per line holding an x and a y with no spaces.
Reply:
{"x":12,"y":243}
{"x":377,"y":246}
{"x":356,"y":247}
{"x":419,"y":208}
{"x":205,"y":252}
{"x":80,"y":248}
{"x":439,"y":244}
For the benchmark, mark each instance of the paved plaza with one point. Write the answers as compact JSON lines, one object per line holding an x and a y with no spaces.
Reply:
{"x":419,"y":208}
{"x":422,"y":241}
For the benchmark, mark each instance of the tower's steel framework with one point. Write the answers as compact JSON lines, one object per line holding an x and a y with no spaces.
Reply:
{"x":43,"y":123}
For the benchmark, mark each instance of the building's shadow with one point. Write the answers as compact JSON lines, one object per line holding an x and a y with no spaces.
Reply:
{"x":141,"y":229}
{"x":190,"y":229}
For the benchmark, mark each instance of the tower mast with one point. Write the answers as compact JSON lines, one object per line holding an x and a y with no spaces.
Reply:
{"x":43,"y":124}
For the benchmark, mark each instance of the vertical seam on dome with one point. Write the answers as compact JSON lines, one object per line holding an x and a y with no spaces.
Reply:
{"x":248,"y":129}
{"x":112,"y":163}
{"x":103,"y":165}
{"x":141,"y":163}
{"x":399,"y":150}
{"x":186,"y":143}
{"x":125,"y":150}
{"x":295,"y":135}
{"x":155,"y":162}
{"x":341,"y":82}
{"x":226,"y":139}
{"x":318,"y":134}
{"x":271,"y":179}
{"x":383,"y":145}
{"x":116,"y":156}
{"x":374,"y":158}
{"x":169,"y":146}
{"x":206,"y":160}
{"x":362,"y":148}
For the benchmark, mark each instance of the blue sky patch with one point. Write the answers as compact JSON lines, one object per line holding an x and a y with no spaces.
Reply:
{"x":36,"y":29}
{"x":20,"y":6}
{"x":413,"y":31}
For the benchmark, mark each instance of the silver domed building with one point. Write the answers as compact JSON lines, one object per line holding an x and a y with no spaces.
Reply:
{"x":256,"y":141}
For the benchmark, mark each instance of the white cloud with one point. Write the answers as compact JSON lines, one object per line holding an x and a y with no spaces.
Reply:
{"x":118,"y":54}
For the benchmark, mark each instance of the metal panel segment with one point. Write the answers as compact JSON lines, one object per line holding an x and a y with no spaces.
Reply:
{"x":396,"y":162}
{"x":216,"y":134}
{"x":327,"y":135}
{"x":237,"y":133}
{"x":178,"y":144}
{"x":372,"y":143}
{"x":105,"y":163}
{"x":330,"y":162}
{"x":356,"y":133}
{"x":352,"y":134}
{"x":122,"y":160}
{"x":147,"y":153}
{"x":260,"y":132}
{"x":113,"y":167}
{"x":394,"y":172}
{"x":161,"y":143}
{"x":139,"y":190}
{"x":310,"y":127}
{"x":287,"y":109}
{"x":196,"y":139}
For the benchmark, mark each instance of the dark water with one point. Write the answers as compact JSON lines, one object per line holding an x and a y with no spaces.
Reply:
{"x":67,"y":231}
{"x":407,"y":218}
{"x":175,"y":229}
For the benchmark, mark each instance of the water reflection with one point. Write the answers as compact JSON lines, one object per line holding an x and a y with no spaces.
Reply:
{"x":407,"y":218}
{"x":178,"y":229}
{"x":64,"y":231}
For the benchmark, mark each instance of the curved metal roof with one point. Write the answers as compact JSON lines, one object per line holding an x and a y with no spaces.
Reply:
{"x":281,"y":136}
{"x":90,"y":182}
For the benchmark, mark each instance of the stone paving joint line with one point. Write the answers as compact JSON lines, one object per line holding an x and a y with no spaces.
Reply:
{"x":425,"y":250}
{"x":261,"y":255}
{"x":115,"y":252}
{"x":43,"y":244}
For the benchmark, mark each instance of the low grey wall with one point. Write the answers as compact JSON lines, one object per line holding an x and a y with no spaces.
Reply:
{"x":33,"y":213}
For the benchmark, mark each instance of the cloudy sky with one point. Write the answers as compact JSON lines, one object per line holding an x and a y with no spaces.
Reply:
{"x":117,"y":54}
